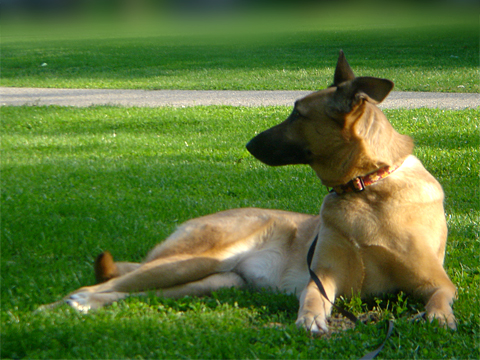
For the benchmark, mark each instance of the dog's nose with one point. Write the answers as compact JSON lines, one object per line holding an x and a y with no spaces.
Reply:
{"x":261,"y":148}
{"x":251,"y":147}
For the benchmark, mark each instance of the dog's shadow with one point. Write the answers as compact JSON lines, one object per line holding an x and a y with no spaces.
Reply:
{"x":266,"y":303}
{"x":277,"y":309}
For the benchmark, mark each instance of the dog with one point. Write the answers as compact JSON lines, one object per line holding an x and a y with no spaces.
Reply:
{"x":381,"y":229}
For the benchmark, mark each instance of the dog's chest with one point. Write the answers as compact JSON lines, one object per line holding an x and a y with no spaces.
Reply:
{"x":353,"y":217}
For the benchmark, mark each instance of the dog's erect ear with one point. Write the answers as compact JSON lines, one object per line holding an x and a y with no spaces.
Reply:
{"x":375,"y":89}
{"x":343,"y":71}
{"x":351,"y":93}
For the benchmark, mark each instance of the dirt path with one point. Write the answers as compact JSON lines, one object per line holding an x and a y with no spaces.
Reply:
{"x":155,"y":98}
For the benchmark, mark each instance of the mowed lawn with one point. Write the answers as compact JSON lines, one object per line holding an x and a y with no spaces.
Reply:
{"x":76,"y":182}
{"x":418,"y":50}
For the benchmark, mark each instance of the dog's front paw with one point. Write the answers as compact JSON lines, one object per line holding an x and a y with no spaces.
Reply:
{"x":314,"y":324}
{"x":444,"y":319}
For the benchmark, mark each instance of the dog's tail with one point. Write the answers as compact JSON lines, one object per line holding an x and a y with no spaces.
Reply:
{"x":105,"y":267}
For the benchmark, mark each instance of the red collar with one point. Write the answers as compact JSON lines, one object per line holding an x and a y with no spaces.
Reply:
{"x":360,"y":183}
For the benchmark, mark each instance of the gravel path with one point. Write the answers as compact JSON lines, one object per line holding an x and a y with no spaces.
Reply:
{"x":154,"y":98}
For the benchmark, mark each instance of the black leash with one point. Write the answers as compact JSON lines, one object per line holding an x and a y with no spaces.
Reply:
{"x":375,"y":352}
{"x":344,"y":312}
{"x":319,"y":284}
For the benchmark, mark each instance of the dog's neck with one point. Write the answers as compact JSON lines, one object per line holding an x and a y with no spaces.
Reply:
{"x":360,"y":183}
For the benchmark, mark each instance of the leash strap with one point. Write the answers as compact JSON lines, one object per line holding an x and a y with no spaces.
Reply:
{"x":371,"y":355}
{"x":347,"y":314}
{"x":319,"y":284}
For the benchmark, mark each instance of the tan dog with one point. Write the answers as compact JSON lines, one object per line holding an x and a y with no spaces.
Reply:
{"x":382,"y":230}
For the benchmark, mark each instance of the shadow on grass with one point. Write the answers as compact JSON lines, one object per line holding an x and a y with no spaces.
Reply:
{"x":371,"y":51}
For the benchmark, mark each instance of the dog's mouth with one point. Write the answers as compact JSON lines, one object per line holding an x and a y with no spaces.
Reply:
{"x":273,"y":151}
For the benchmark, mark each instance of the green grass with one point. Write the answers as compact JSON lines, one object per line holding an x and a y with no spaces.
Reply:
{"x":419,"y":51}
{"x":75,"y":182}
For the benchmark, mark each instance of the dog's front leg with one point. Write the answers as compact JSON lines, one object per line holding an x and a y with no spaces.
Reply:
{"x":338,"y":265}
{"x":314,"y":308}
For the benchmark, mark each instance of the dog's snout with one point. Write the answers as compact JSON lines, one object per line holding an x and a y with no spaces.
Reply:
{"x":273,"y":149}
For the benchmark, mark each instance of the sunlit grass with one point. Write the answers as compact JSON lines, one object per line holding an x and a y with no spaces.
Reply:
{"x":419,"y":51}
{"x":75,"y":182}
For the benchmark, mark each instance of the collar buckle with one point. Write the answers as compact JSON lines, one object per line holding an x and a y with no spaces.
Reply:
{"x":357,"y":184}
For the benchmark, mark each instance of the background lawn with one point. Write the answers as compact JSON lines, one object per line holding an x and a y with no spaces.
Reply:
{"x":75,"y":182}
{"x":420,"y":50}
{"x":78,"y":181}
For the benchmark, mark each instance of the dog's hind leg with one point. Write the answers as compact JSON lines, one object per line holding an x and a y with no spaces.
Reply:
{"x":161,"y":274}
{"x":85,"y":301}
{"x":204,"y":286}
{"x":105,"y":269}
{"x":164,"y":273}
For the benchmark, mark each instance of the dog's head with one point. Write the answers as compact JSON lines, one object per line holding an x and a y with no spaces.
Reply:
{"x":338,"y":131}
